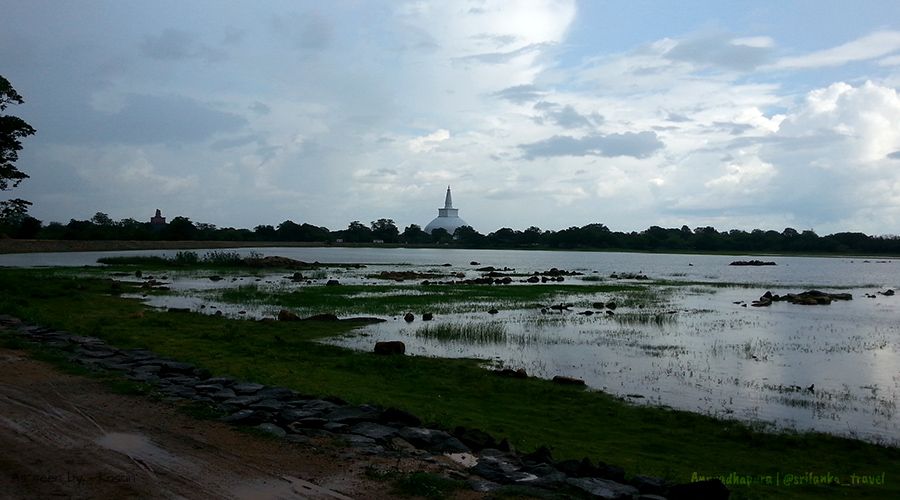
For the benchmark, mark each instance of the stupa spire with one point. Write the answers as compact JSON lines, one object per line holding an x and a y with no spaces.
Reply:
{"x":448,"y":201}
{"x":448,"y":217}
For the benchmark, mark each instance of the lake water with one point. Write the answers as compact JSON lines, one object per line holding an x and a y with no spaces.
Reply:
{"x":833,"y":368}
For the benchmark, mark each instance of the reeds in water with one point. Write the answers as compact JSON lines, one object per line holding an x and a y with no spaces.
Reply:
{"x":487,"y":332}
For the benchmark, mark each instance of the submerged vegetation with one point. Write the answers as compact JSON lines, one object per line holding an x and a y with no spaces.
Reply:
{"x":477,"y":333}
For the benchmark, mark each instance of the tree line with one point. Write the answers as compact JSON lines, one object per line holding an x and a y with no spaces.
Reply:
{"x":385,"y":231}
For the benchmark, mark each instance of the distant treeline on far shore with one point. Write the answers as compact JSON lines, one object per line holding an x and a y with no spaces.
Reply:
{"x":385,"y":231}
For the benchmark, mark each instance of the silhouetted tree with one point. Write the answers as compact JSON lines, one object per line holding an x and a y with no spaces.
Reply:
{"x":440,"y":236}
{"x":265,"y":233}
{"x":414,"y":235}
{"x":12,"y":130}
{"x":181,"y":228}
{"x":468,"y":236}
{"x":357,"y":232}
{"x":385,"y":230}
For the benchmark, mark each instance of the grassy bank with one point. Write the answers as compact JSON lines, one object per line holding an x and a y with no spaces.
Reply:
{"x":529,"y":412}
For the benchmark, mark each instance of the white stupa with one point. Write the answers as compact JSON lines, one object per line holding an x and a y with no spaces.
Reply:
{"x":448,"y":217}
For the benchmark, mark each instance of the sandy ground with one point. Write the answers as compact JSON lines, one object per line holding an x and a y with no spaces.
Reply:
{"x":66,"y":436}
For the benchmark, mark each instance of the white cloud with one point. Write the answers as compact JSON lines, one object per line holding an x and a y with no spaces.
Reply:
{"x":870,"y":46}
{"x":754,"y":41}
{"x":890,"y":61}
{"x":428,"y":142}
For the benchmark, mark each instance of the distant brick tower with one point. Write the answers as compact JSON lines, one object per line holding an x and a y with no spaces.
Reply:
{"x":158,"y":220}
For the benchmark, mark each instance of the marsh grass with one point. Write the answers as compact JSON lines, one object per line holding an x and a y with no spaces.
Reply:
{"x":183,"y":258}
{"x":658,"y":319}
{"x":394,"y":299}
{"x":482,"y":332}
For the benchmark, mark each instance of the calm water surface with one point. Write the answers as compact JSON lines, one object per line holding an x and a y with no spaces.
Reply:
{"x":830,"y":368}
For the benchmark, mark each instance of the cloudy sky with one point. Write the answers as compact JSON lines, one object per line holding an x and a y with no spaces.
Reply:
{"x":553,"y":113}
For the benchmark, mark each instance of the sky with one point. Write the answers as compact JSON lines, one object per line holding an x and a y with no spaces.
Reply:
{"x":548,"y":113}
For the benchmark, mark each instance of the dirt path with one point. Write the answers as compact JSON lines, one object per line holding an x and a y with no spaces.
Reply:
{"x":70,"y":437}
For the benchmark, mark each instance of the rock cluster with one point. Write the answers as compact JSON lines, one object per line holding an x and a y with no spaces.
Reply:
{"x":487,"y":464}
{"x":808,"y":298}
{"x":629,"y":276}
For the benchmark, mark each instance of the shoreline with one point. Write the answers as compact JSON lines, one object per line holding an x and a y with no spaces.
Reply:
{"x":529,"y":413}
{"x":17,"y":246}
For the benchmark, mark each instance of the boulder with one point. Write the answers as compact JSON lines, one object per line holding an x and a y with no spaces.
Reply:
{"x":272,"y":430}
{"x":269,"y":405}
{"x":307,"y":423}
{"x":563,"y":380}
{"x":649,"y":485}
{"x":475,"y":439}
{"x":606,"y":489}
{"x":427,"y":317}
{"x":432,"y":440}
{"x":712,"y":489}
{"x":289,"y":415}
{"x":241,"y":401}
{"x":285,"y":315}
{"x":497,"y":469}
{"x":247,"y":388}
{"x":409,"y":317}
{"x":373,"y":431}
{"x":390,"y":347}
{"x":509,"y":372}
{"x":277,"y":393}
{"x":332,"y":283}
{"x":350,"y":415}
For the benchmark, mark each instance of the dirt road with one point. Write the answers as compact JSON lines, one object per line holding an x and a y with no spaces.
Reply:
{"x":68,"y":436}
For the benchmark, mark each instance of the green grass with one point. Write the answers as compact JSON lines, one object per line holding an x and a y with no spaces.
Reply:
{"x":529,"y":412}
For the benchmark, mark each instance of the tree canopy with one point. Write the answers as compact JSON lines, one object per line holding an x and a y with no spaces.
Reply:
{"x":14,"y":212}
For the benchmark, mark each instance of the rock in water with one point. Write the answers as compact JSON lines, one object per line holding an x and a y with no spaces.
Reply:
{"x":390,"y":347}
{"x":285,"y":315}
{"x":560,"y":379}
